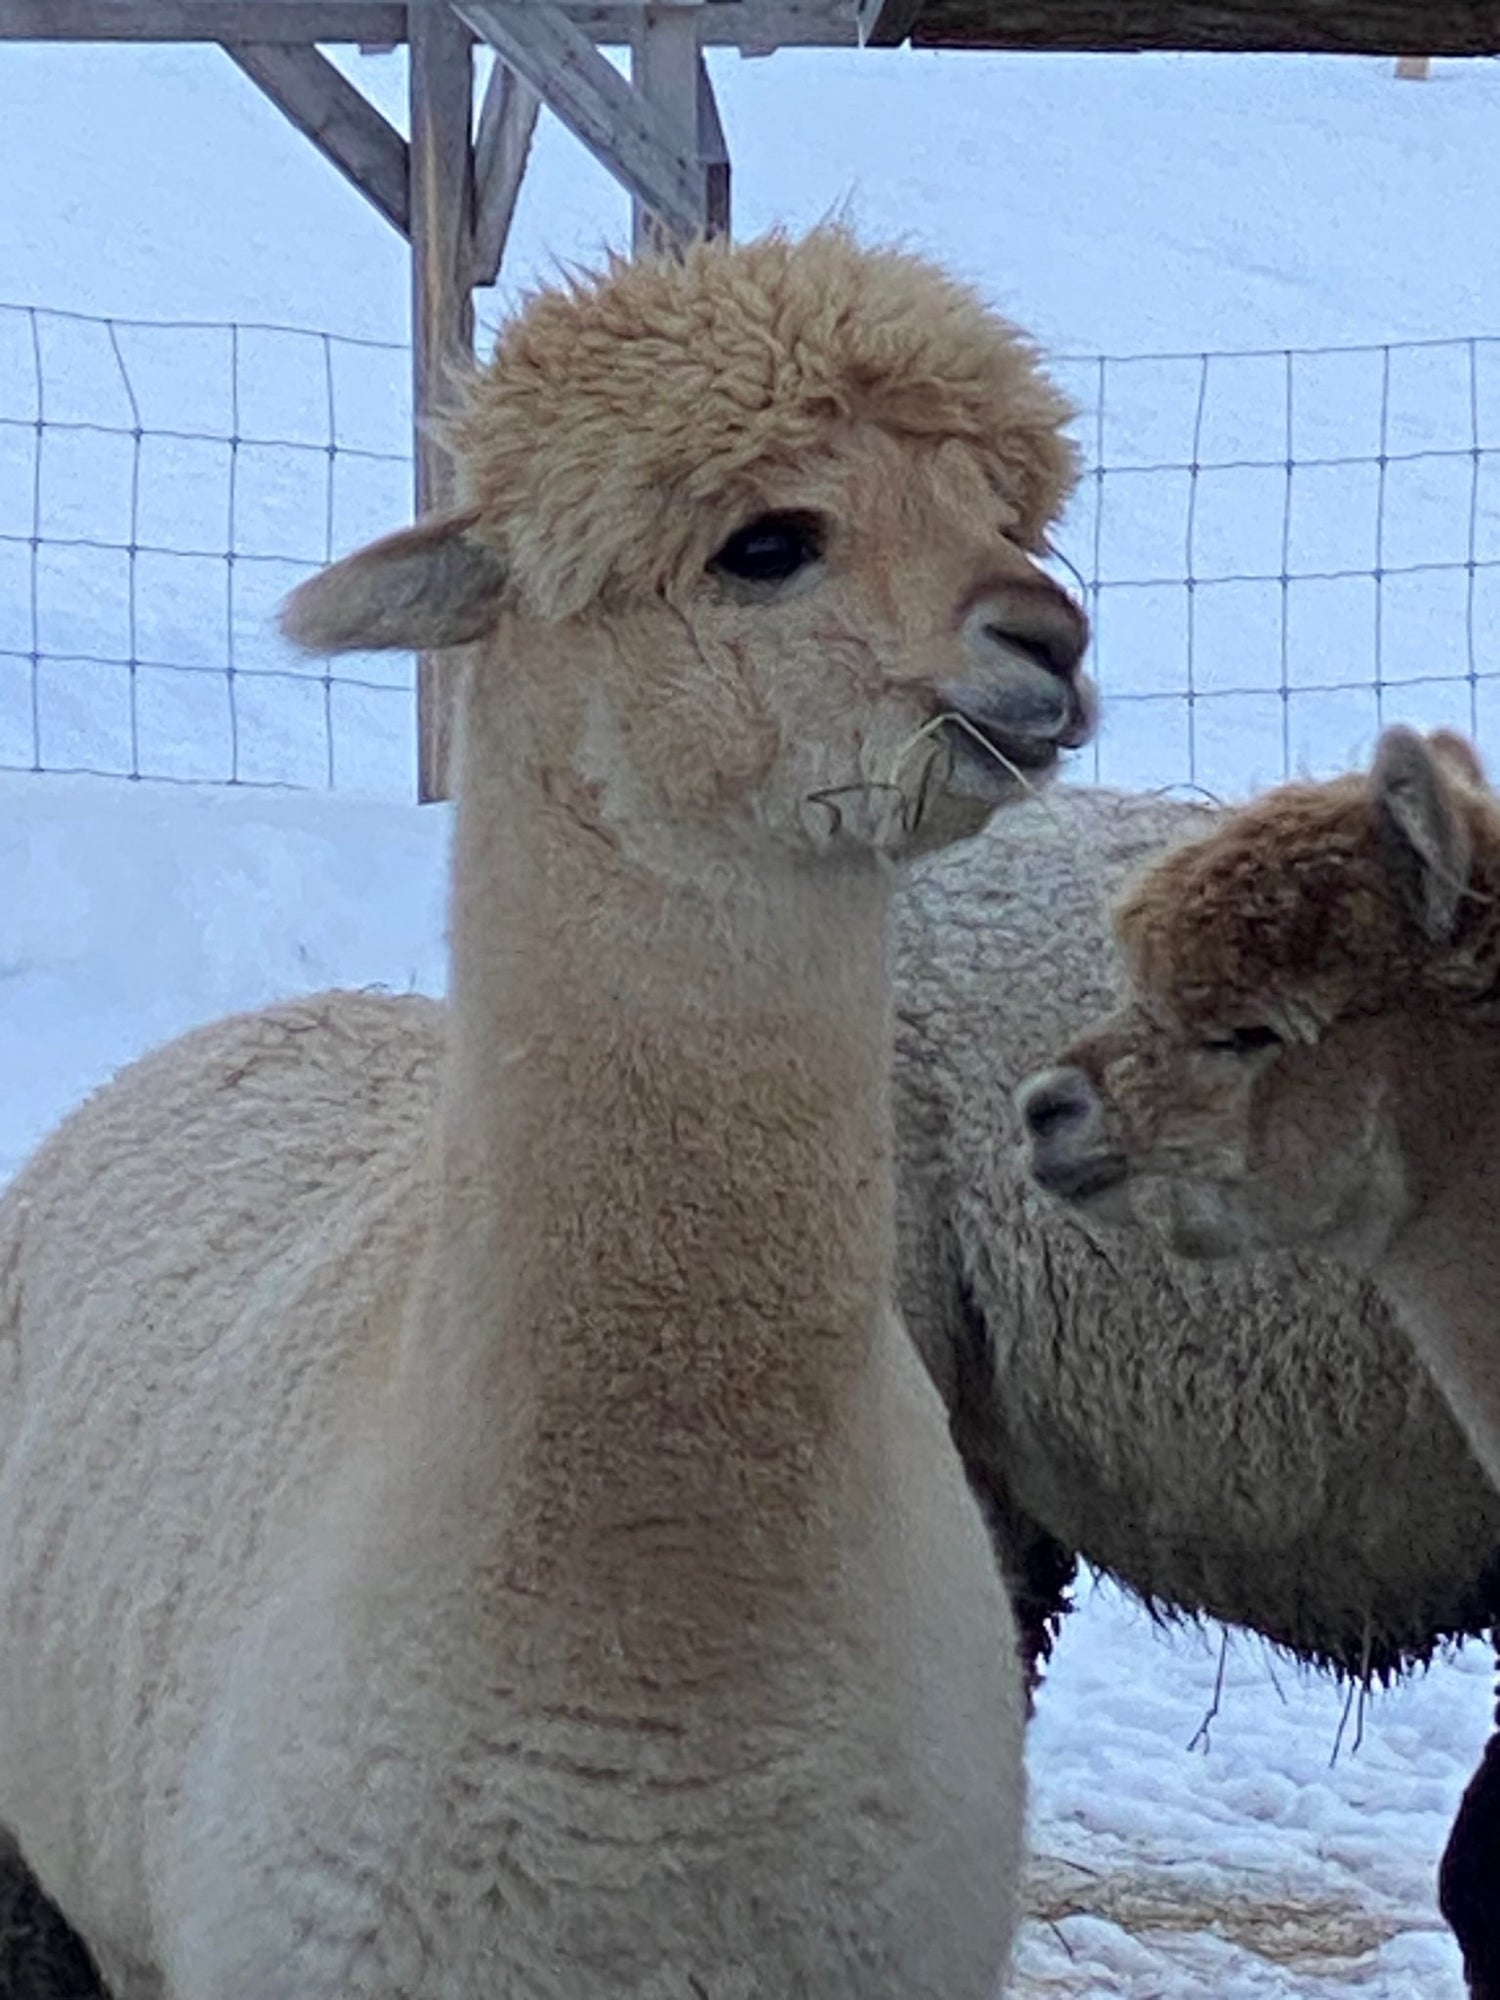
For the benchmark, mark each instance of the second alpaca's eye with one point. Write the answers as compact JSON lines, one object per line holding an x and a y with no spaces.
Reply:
{"x":770,"y":549}
{"x":1245,"y":1041}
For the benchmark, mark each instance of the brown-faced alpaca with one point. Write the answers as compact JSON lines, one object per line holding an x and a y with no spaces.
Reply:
{"x":1310,"y":1058}
{"x":1291,"y":1468}
{"x":516,"y":1553}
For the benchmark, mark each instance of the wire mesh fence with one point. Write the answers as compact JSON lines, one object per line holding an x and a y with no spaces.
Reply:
{"x":1284,"y":550}
{"x":161,"y":487}
{"x":1280,"y":551}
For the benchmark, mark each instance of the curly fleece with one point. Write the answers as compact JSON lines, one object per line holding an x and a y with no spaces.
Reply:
{"x":623,"y":411}
{"x":1292,"y":899}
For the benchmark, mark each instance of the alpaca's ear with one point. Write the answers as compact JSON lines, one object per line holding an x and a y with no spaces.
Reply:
{"x":422,"y":588}
{"x":1430,"y":851}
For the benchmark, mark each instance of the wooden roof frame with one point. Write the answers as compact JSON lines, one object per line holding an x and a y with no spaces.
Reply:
{"x":1309,"y":27}
{"x":451,"y":189}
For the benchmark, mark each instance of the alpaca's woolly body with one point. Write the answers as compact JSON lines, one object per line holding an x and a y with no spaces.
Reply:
{"x":204,"y":1125}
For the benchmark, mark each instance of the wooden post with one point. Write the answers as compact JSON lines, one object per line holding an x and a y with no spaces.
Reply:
{"x":664,"y":67}
{"x":624,"y":132}
{"x":1414,"y":69}
{"x":441,"y":213}
{"x":713,"y":153}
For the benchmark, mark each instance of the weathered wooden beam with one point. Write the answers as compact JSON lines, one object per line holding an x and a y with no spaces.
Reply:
{"x":343,"y":125}
{"x":1309,"y":27}
{"x":279,"y":21}
{"x":1347,"y":27}
{"x":625,"y":134}
{"x":713,"y":154}
{"x":664,"y":72}
{"x":755,"y":25}
{"x":441,"y":95}
{"x":885,"y":24}
{"x":507,"y":124}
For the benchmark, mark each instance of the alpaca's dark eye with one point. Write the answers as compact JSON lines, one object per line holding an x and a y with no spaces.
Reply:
{"x":770,"y":549}
{"x":1244,"y":1041}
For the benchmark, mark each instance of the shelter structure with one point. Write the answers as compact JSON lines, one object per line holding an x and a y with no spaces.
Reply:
{"x":450,"y":187}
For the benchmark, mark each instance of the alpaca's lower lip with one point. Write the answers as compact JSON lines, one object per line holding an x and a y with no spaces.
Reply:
{"x":974,"y":743}
{"x":1025,"y":720}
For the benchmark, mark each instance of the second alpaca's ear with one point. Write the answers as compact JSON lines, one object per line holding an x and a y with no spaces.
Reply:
{"x":1459,"y":755}
{"x":1430,"y":848}
{"x":422,"y":588}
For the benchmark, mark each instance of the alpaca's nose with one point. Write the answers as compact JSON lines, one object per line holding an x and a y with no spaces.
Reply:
{"x":1032,"y":615}
{"x":1057,"y":1104}
{"x":1071,"y":1154}
{"x":1025,"y":642}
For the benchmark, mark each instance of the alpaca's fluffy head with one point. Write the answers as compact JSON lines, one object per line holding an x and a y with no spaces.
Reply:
{"x":623,"y":418}
{"x":765,"y":510}
{"x":1300,"y":979}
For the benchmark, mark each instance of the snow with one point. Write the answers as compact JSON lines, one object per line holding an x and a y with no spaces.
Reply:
{"x":1151,"y":209}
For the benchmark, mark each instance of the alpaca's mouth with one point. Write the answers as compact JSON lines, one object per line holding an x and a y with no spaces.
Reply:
{"x":1078,"y":1180}
{"x":977,"y":742}
{"x":1021,"y":720}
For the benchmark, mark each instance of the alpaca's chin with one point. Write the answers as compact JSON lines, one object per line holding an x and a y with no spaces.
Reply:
{"x":951,"y":815}
{"x":984,"y":774}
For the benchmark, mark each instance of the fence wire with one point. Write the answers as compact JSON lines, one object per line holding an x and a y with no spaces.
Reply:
{"x":161,"y":487}
{"x":1280,"y":551}
{"x":1283,"y":550}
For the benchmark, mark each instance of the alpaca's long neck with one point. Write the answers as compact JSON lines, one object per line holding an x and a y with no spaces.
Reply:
{"x":647,"y":1342}
{"x":1441,"y":1274}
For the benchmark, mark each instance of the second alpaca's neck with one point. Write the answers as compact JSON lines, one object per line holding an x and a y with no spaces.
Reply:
{"x":646,"y":1345}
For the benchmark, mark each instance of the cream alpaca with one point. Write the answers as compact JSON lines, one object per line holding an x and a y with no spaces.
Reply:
{"x":516,"y":1553}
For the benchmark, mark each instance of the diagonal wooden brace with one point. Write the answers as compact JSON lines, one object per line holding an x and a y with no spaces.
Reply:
{"x":343,"y":125}
{"x":627,"y":134}
{"x":507,"y":123}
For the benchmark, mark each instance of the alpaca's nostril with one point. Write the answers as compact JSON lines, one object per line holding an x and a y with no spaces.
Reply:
{"x":1036,"y":620}
{"x":1032,"y":648}
{"x":1056,"y":1103}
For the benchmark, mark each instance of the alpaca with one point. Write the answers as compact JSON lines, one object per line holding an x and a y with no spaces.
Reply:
{"x":1309,"y":1058}
{"x":1291,"y":1468}
{"x":1249,"y":1441}
{"x":514,"y":1549}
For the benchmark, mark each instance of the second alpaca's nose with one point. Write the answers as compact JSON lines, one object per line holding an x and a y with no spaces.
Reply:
{"x":1057,"y":1104}
{"x":1071,"y":1156}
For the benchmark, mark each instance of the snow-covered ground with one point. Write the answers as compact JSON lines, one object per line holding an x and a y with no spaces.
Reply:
{"x":1129,"y":207}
